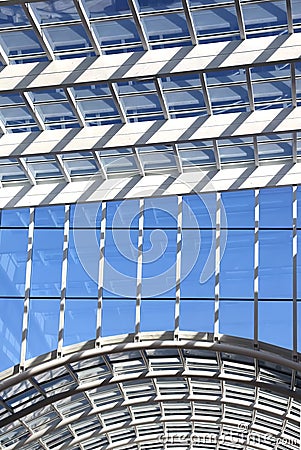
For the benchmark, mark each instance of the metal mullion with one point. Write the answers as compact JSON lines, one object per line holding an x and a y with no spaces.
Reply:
{"x":63,"y":281}
{"x":256,"y":154}
{"x":63,"y":168}
{"x":117,"y":102}
{"x":138,"y":162}
{"x":74,"y":106}
{"x":139,"y":24}
{"x":295,"y":146}
{"x":100,"y":165}
{"x":33,"y":111}
{"x":256,"y":265}
{"x":240,"y":19}
{"x":295,"y":273}
{"x":101,"y":273}
{"x":206,"y":94}
{"x":293,"y":84}
{"x":178,"y":158}
{"x":27,"y":171}
{"x":27,"y":288}
{"x":178,"y":266}
{"x":217,"y":265}
{"x":45,"y":44}
{"x":289,"y":16}
{"x":87,"y":26}
{"x":216,"y":154}
{"x":139,"y":269}
{"x":162,"y":100}
{"x":190,"y":24}
{"x":250,"y":89}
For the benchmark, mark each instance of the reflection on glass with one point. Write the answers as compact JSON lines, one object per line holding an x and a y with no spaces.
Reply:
{"x":18,"y":217}
{"x":199,"y":211}
{"x":237,"y":265}
{"x":165,"y":26}
{"x":197,"y":315}
{"x":83,"y":260}
{"x":239,"y":209}
{"x":80,"y":321}
{"x":118,"y":317}
{"x":275,"y":264}
{"x":47,"y":262}
{"x":13,"y":256}
{"x":11,"y":316}
{"x":275,"y":208}
{"x":157,"y":315}
{"x":275,"y":323}
{"x":161,"y":212}
{"x":236,"y":318}
{"x":43,"y":323}
{"x":50,"y":216}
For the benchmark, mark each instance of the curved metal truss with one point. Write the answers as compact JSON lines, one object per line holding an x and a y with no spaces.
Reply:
{"x":158,"y":393}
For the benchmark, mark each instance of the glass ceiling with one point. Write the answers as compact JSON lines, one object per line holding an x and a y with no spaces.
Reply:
{"x":41,"y":31}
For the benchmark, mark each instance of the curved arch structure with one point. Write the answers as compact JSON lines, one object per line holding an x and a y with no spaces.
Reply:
{"x":157,"y":393}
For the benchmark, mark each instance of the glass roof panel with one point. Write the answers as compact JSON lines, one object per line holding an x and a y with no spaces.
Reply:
{"x":181,"y":81}
{"x":116,"y":32}
{"x":102,"y":8}
{"x":119,"y":164}
{"x":19,"y":43}
{"x":274,"y":150}
{"x":228,"y":95}
{"x":158,"y":5}
{"x":95,"y":90}
{"x":258,"y":15}
{"x":272,"y":91}
{"x":12,"y":172}
{"x":12,"y":16}
{"x":56,"y":112}
{"x":15,"y":116}
{"x":141,"y":104}
{"x":158,"y":160}
{"x":135,"y":87}
{"x":236,"y":153}
{"x":83,"y":166}
{"x":45,"y":169}
{"x":183,"y":100}
{"x":167,"y":26}
{"x":48,"y":96}
{"x":296,"y":11}
{"x":226,"y":77}
{"x":93,"y":109}
{"x":271,"y":71}
{"x":55,"y":11}
{"x":197,"y":157}
{"x":215,"y":20}
{"x":67,"y":37}
{"x":11,"y":99}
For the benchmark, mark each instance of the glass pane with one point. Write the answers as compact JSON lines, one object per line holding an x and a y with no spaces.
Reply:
{"x":183,"y":100}
{"x":100,"y":8}
{"x":275,"y":264}
{"x":197,"y":264}
{"x":12,"y":16}
{"x":115,"y":32}
{"x":159,"y":263}
{"x":141,"y":104}
{"x":275,"y":322}
{"x":85,"y":215}
{"x":157,"y":5}
{"x":18,"y":217}
{"x":199,"y":211}
{"x":43,"y":326}
{"x":275,"y":208}
{"x":118,"y":317}
{"x":236,"y":318}
{"x":13,"y":257}
{"x":123,"y":214}
{"x":228,"y":95}
{"x":239,"y":209}
{"x":11,"y":317}
{"x":197,"y":315}
{"x":49,"y":216}
{"x":80,"y":321}
{"x":157,"y":315}
{"x":237,"y":265}
{"x":218,"y":20}
{"x":165,"y":27}
{"x":120,"y":269}
{"x":83,"y":261}
{"x":264,"y":14}
{"x":18,"y":43}
{"x":55,"y":11}
{"x":161,"y":212}
{"x":47,"y":262}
